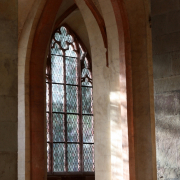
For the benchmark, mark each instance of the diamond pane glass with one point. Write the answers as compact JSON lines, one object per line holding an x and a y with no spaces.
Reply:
{"x":63,"y":123}
{"x":48,"y":157}
{"x":55,"y":49}
{"x":57,"y":98}
{"x":57,"y":69}
{"x":63,"y":37}
{"x":58,"y":127}
{"x":73,"y":157}
{"x":72,"y":128}
{"x":58,"y":157}
{"x":70,"y":52}
{"x":72,"y":99}
{"x":86,"y":83}
{"x":88,"y":129}
{"x":86,"y":72}
{"x":71,"y":71}
{"x":87,"y":75}
{"x":87,"y":100}
{"x":57,"y":36}
{"x":47,"y":97}
{"x":88,"y":156}
{"x":47,"y":127}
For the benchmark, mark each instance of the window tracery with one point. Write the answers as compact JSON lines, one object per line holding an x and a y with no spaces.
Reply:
{"x":69,"y":111}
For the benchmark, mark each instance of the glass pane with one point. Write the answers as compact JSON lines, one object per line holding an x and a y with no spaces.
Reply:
{"x":55,"y":49}
{"x":58,"y":157}
{"x":47,"y":97}
{"x":57,"y":36}
{"x":57,"y":98}
{"x":88,"y":155}
{"x":86,"y":64}
{"x":73,"y":157}
{"x":48,"y":157}
{"x":58,"y":127}
{"x":86,"y":83}
{"x":63,"y":37}
{"x":71,"y":71}
{"x":86,"y":74}
{"x":65,"y":112}
{"x":72,"y":99}
{"x":87,"y":100}
{"x":72,"y":128}
{"x":57,"y":69}
{"x":88,"y":129}
{"x":47,"y":127}
{"x":70,"y":52}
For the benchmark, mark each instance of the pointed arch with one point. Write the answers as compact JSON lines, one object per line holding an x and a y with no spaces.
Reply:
{"x":138,"y":55}
{"x":69,"y":112}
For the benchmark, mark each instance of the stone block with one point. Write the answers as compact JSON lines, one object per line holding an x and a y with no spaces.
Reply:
{"x":175,"y":63}
{"x":8,"y":10}
{"x":167,"y":127}
{"x":8,"y":136}
{"x":162,"y":65}
{"x":167,"y":108}
{"x":167,"y":104}
{"x":173,"y":21}
{"x":9,"y":37}
{"x":159,"y":25}
{"x":8,"y":110}
{"x":163,"y":6}
{"x":166,"y":43}
{"x":8,"y":78}
{"x":167,"y":84}
{"x":8,"y":166}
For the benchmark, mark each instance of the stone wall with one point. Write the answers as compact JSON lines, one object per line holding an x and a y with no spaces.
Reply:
{"x":8,"y":89}
{"x":166,"y":64}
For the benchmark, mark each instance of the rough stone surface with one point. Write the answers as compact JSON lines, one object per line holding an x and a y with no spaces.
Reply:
{"x":166,"y":65}
{"x":8,"y":89}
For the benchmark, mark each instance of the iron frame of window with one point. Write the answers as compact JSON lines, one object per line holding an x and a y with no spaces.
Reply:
{"x":80,"y":67}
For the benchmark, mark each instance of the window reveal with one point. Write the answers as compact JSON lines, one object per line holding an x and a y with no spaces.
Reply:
{"x":69,"y":112}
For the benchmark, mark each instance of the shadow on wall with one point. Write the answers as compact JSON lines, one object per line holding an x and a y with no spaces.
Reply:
{"x":167,"y":108}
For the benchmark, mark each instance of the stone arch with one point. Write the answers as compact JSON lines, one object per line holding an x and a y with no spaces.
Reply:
{"x":25,"y":41}
{"x":128,"y":70}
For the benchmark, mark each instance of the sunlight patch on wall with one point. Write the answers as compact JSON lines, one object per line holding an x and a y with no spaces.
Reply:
{"x":116,"y":137}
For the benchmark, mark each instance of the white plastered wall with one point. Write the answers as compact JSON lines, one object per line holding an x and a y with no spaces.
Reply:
{"x":109,"y":100}
{"x":118,"y":94}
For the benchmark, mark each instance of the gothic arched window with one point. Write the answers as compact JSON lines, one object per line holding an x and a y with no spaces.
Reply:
{"x":69,"y":111}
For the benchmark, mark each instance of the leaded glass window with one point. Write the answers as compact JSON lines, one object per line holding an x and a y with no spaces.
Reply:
{"x":69,"y":111}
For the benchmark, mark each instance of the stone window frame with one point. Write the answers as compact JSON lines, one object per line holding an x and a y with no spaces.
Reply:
{"x":81,"y":58}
